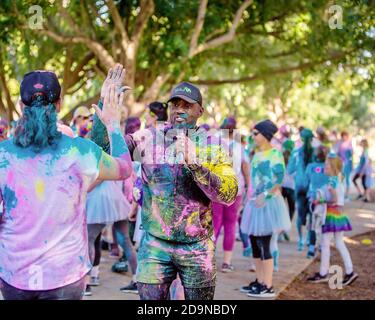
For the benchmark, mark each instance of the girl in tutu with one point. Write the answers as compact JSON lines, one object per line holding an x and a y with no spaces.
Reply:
{"x":265,"y":212}
{"x":336,"y":222}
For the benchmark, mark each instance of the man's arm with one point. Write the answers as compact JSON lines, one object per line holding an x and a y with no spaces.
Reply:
{"x":216,"y":178}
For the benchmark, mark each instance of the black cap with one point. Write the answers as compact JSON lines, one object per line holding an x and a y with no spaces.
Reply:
{"x":188,"y":92}
{"x":267,"y":128}
{"x":42,"y":84}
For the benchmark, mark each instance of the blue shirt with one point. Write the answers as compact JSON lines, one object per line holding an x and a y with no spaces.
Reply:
{"x":316,"y":178}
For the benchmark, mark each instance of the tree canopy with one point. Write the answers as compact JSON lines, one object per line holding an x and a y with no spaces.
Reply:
{"x":297,"y":61}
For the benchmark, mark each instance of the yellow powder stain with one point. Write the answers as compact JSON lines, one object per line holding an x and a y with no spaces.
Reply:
{"x":39,"y":189}
{"x":194,"y":216}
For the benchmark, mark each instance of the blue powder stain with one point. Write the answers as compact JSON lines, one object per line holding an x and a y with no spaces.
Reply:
{"x":81,"y":258}
{"x":10,"y":199}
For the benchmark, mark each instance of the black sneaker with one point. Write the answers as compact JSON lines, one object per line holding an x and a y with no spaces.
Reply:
{"x":318,"y":278}
{"x":349,"y":278}
{"x":131,"y":288}
{"x":262,"y":292}
{"x":250,"y":287}
{"x":88,"y":292}
{"x":120,"y":266}
{"x":360,"y":196}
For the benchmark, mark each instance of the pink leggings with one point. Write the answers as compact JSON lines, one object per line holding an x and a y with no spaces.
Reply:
{"x":227,"y":216}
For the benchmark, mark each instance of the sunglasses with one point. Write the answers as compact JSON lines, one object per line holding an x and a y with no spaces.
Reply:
{"x":84,"y":118}
{"x":255,"y":133}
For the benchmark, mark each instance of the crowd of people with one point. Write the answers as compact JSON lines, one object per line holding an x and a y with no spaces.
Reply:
{"x":159,"y":197}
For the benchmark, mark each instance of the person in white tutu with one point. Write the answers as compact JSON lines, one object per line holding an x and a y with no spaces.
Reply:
{"x":107,"y":202}
{"x":265,"y":212}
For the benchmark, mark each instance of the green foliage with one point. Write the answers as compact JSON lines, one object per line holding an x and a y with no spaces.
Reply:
{"x":284,"y":61}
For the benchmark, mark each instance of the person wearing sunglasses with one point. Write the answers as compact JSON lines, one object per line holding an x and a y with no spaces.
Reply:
{"x":82,"y":122}
{"x":265,"y":213}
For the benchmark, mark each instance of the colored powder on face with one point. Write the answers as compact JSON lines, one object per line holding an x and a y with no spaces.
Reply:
{"x":39,"y":189}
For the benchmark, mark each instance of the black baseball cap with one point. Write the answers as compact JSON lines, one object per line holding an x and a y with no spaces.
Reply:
{"x":188,"y":92}
{"x":40,"y":83}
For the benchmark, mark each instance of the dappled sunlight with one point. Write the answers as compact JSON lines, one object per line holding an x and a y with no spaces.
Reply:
{"x":366,"y":216}
{"x":351,"y":241}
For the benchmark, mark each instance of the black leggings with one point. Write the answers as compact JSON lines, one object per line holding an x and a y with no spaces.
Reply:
{"x":98,"y":250}
{"x":290,"y":196}
{"x":261,"y":247}
{"x":355,"y":178}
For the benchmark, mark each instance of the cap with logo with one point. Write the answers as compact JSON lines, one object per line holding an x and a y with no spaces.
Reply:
{"x":40,"y":83}
{"x":187,"y":92}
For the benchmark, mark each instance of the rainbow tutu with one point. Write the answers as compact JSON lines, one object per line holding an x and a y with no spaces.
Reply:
{"x":336,"y":220}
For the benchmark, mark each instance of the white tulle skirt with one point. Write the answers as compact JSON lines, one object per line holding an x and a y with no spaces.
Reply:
{"x":273,"y":217}
{"x":107,"y":203}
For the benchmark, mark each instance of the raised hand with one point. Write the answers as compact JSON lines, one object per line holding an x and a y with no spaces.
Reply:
{"x":116,"y":76}
{"x":110,"y":115}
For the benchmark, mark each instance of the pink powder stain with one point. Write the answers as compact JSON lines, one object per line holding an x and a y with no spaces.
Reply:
{"x":10,"y":178}
{"x":192,"y":230}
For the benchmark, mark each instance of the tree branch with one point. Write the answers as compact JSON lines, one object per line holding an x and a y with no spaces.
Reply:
{"x":99,"y":51}
{"x":85,"y":60}
{"x":94,"y":9}
{"x":198,"y":26}
{"x":147,"y":9}
{"x":227,"y":37}
{"x":88,"y":20}
{"x":118,"y":24}
{"x":152,"y":92}
{"x":4,"y":88}
{"x":266,"y":74}
{"x":68,"y":18}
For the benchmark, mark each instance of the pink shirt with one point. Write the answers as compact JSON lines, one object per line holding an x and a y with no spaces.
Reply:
{"x":43,"y":231}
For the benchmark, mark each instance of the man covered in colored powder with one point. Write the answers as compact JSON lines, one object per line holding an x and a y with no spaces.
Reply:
{"x":44,"y":179}
{"x":178,"y":189}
